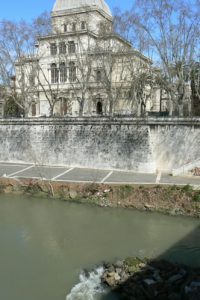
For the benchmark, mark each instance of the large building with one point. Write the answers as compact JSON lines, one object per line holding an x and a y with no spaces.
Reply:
{"x":83,"y":68}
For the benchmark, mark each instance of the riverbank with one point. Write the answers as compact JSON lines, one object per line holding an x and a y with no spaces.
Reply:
{"x":139,"y":279}
{"x":172,"y":200}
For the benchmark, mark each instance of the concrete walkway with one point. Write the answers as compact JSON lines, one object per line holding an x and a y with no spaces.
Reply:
{"x":67,"y":174}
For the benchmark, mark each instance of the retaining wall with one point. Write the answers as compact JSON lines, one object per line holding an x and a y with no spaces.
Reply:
{"x":143,"y":145}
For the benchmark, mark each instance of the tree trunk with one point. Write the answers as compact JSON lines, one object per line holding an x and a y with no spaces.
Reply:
{"x":110,"y":105}
{"x":51,"y":109}
{"x":170,"y":106}
{"x":180,"y":110}
{"x":81,"y":107}
{"x":139,"y":108}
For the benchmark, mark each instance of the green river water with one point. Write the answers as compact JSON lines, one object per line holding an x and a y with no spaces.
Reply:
{"x":44,"y":244}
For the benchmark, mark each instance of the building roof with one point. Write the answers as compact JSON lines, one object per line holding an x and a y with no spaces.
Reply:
{"x":63,"y":5}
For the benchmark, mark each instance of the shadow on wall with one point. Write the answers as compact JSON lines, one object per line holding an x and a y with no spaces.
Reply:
{"x":162,"y":278}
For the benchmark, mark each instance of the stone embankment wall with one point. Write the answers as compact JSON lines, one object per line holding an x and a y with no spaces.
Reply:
{"x":143,"y":145}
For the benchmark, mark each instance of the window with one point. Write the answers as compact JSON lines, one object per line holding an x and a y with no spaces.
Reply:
{"x":65,"y":27}
{"x":83,"y":25}
{"x":98,"y":76}
{"x":71,"y":47}
{"x":53,"y":49}
{"x":62,"y":48}
{"x":99,"y":108}
{"x":54,"y":73}
{"x":63,"y":73}
{"x":73,"y":26}
{"x":31,"y":79}
{"x":72,"y":72}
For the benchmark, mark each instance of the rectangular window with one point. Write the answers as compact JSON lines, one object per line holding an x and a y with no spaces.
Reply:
{"x":98,"y":76}
{"x":63,"y":73}
{"x":62,"y":48}
{"x":72,"y":72}
{"x":73,"y":26}
{"x":53,"y":49}
{"x":54,"y":73}
{"x":83,"y":25}
{"x":31,"y":79}
{"x":65,"y":27}
{"x":71,"y":47}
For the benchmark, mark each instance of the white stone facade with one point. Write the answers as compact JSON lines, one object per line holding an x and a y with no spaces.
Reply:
{"x":82,"y":68}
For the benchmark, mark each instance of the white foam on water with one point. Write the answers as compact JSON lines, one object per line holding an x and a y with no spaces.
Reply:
{"x":89,"y":286}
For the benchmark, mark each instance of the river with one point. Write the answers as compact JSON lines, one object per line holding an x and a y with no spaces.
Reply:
{"x":44,"y":244}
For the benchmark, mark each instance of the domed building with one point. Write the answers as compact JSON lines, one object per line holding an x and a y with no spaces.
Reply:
{"x":83,"y":68}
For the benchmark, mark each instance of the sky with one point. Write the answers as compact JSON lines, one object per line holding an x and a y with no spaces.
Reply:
{"x":30,"y":9}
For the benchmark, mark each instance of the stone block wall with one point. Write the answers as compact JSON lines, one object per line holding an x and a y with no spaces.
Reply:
{"x":142,"y":145}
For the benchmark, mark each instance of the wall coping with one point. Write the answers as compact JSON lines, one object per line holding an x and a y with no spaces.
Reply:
{"x":101,"y":121}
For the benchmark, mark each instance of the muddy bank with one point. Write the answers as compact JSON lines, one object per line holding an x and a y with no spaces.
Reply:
{"x":145,"y":279}
{"x":173,"y":200}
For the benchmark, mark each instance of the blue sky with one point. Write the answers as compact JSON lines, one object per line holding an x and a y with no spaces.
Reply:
{"x":29,"y":9}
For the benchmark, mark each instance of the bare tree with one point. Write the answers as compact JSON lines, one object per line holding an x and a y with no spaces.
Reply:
{"x":195,"y":87}
{"x":17,"y":57}
{"x":171,"y":29}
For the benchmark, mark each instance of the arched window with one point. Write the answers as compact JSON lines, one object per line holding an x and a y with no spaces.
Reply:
{"x":71,"y":47}
{"x":63,"y":72}
{"x":72,"y":72}
{"x":98,"y":76}
{"x":54,"y":73}
{"x":99,"y":108}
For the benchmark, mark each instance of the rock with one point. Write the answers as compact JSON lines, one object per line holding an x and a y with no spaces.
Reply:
{"x":153,"y":279}
{"x":111,"y":278}
{"x":177,"y":211}
{"x":149,"y":281}
{"x":148,"y":207}
{"x":195,"y":284}
{"x":157,"y":276}
{"x":174,"y":296}
{"x":110,"y":281}
{"x":106,"y":191}
{"x":119,"y":264}
{"x":111,"y":269}
{"x":73,"y":194}
{"x":175,"y":277}
{"x":124,"y":276}
{"x":118,"y":270}
{"x":117,"y":277}
{"x":142,"y":265}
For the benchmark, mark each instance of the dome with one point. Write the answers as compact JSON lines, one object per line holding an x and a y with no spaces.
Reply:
{"x":61,"y":5}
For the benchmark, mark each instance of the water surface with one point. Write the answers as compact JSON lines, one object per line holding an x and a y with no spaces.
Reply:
{"x":44,"y":244}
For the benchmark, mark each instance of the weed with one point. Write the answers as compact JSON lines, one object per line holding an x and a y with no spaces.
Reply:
{"x":187,"y":188}
{"x":196,"y":198}
{"x":126,"y":190}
